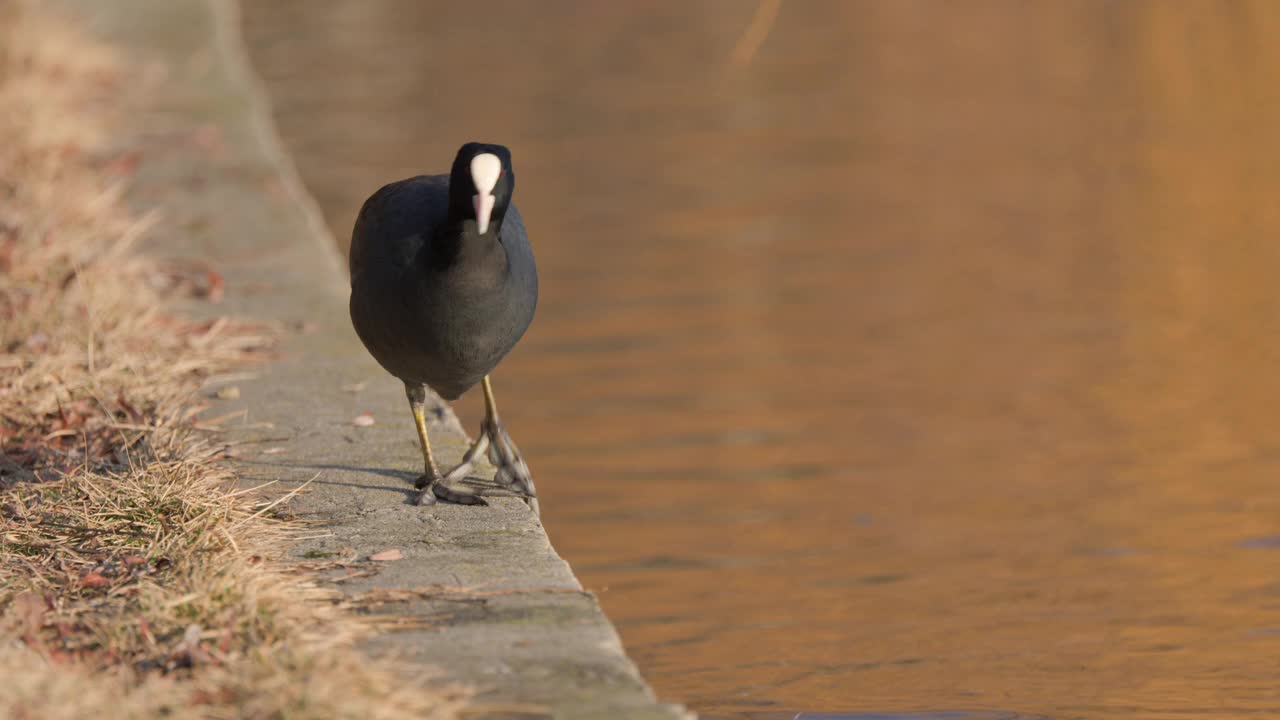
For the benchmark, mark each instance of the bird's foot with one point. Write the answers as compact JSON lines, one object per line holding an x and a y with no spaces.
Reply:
{"x":432,"y":486}
{"x":431,"y":490}
{"x":512,"y":479}
{"x":459,"y":487}
{"x":513,"y":472}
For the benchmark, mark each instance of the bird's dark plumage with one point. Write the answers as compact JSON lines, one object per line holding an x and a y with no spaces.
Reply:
{"x":435,"y":301}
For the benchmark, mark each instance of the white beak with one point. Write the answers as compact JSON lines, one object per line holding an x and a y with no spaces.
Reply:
{"x":485,"y":170}
{"x":484,"y":208}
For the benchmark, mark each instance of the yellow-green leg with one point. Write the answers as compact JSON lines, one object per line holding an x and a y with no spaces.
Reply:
{"x":512,"y":477}
{"x":513,"y":473}
{"x":428,"y":460}
{"x":431,"y":484}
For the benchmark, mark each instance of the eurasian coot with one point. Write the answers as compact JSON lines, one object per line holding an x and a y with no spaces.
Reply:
{"x":443,"y":285}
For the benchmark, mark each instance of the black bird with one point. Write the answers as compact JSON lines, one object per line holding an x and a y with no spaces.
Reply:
{"x":443,"y":285}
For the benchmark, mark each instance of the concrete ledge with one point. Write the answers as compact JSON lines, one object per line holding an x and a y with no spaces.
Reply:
{"x":480,"y":592}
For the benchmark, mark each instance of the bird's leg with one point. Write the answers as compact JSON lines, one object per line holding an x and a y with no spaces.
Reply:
{"x":513,"y":473}
{"x":430,"y":484}
{"x":513,"y":477}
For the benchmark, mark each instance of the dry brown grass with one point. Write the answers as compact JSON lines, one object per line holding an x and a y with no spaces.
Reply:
{"x":135,"y":579}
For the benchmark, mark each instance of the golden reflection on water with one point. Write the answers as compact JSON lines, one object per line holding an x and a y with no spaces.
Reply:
{"x":926,"y":361}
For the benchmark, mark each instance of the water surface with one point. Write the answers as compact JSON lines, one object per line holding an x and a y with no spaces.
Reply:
{"x":924,"y":360}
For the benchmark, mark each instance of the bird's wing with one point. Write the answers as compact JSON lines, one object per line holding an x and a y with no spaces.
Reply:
{"x":395,"y":221}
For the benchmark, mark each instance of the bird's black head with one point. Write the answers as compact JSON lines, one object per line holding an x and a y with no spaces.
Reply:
{"x":480,"y":185}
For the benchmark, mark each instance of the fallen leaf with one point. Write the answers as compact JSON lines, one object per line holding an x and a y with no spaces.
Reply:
{"x":217,"y":286}
{"x":387,"y":555}
{"x":364,"y":419}
{"x":208,"y":138}
{"x":355,"y":387}
{"x":124,"y":164}
{"x":93,"y":579}
{"x":229,"y":393}
{"x":275,"y":451}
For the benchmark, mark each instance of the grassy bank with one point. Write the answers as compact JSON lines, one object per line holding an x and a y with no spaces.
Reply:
{"x":136,"y":579}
